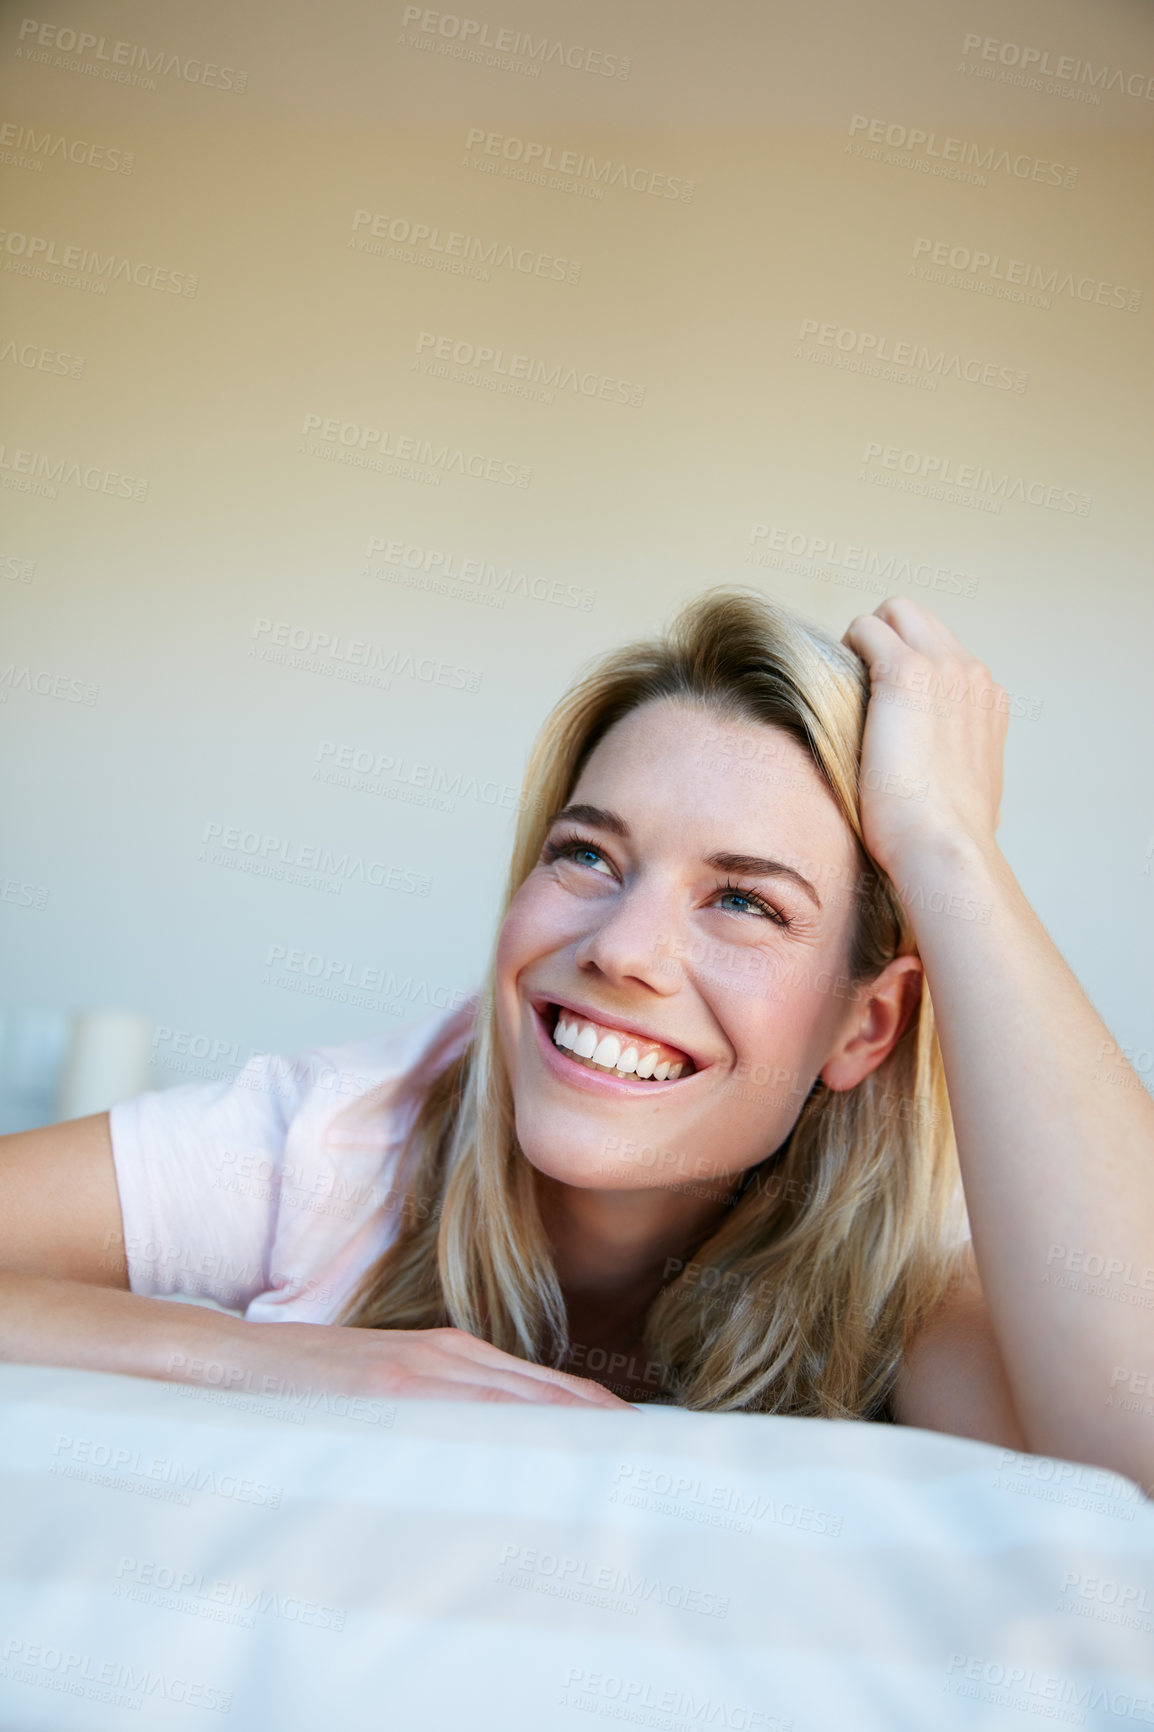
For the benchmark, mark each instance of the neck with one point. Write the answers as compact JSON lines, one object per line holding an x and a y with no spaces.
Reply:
{"x":612,"y":1247}
{"x":612,"y":1252}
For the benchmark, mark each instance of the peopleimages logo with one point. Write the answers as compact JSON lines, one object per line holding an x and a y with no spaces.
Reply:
{"x":188,"y":1590}
{"x":886,"y":568}
{"x":16,"y":570}
{"x":609,"y":1585}
{"x":614,"y":1695}
{"x":871,"y":346}
{"x":35,"y":251}
{"x":31,"y":471}
{"x":963,"y":153}
{"x":39,"y":359}
{"x":975,"y":478}
{"x":124,"y":59}
{"x":46,"y":685}
{"x":367,"y":447}
{"x":1040,"y":279}
{"x":433,"y":567}
{"x":473,"y":34}
{"x":326,"y":648}
{"x":577,"y":165}
{"x":508,"y":371}
{"x":423,"y":783}
{"x":395,"y":237}
{"x":118,"y":1683}
{"x":1049,"y":1694}
{"x":1066,"y":68}
{"x":314,"y":865}
{"x":48,"y":144}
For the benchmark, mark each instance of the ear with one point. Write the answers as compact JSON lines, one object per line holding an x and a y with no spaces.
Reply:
{"x":880,"y":1018}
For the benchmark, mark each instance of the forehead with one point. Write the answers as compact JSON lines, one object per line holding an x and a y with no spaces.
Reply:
{"x":679,"y":774}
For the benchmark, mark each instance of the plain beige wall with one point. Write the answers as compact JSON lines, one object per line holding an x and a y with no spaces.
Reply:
{"x":719,"y":404}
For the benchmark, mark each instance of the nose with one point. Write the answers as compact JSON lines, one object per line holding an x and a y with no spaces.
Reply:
{"x":634,"y":940}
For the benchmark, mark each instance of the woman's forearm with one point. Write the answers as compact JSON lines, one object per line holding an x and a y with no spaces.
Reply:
{"x":44,"y":1321}
{"x":1056,"y":1146}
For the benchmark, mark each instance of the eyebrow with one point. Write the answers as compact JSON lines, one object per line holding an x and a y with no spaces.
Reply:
{"x":749,"y":865}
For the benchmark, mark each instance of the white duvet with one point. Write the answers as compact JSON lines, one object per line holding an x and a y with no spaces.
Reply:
{"x":178,"y":1558}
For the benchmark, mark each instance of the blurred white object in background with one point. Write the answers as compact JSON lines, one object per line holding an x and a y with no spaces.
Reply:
{"x":109,"y":1059}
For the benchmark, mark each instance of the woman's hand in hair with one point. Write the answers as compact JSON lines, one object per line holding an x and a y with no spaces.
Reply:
{"x":931,"y":767}
{"x":1055,"y":1133}
{"x":413,"y":1364}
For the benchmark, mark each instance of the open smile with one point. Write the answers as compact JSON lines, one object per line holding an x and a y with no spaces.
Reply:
{"x":604,"y":1057}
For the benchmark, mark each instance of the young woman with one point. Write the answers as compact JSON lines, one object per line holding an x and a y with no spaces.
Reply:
{"x":764,"y":991}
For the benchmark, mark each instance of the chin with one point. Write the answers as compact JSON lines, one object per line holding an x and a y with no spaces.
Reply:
{"x":588,"y":1168}
{"x":569,"y":1166}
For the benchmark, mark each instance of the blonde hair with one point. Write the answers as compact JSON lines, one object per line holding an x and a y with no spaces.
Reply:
{"x":823,"y":1265}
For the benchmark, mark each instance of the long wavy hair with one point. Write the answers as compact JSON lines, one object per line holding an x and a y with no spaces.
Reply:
{"x":830,"y":1253}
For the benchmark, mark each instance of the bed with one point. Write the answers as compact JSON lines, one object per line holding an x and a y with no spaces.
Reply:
{"x":175,"y":1556}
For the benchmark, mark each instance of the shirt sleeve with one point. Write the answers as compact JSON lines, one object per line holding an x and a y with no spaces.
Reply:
{"x":199,"y":1170}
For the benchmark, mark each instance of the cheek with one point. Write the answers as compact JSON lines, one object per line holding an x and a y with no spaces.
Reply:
{"x":783,"y":1024}
{"x":535,"y":925}
{"x":515,"y":942}
{"x":525,"y":937}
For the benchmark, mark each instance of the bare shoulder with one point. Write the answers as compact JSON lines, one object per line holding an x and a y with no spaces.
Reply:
{"x":953,"y":1377}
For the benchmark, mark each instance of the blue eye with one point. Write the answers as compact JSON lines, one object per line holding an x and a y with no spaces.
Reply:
{"x":571,"y":847}
{"x":757,"y":902}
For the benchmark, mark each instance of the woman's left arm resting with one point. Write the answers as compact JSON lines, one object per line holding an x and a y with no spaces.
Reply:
{"x":1055,"y":1131}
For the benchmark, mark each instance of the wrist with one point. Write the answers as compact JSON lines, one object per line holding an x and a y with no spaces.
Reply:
{"x":956,"y":877}
{"x":209,"y":1348}
{"x":947,"y":857}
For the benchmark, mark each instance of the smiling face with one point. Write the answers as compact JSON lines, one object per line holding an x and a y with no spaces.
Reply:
{"x":692,"y":910}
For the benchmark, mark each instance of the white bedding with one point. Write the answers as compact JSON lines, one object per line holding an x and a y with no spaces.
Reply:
{"x":177,"y":1558}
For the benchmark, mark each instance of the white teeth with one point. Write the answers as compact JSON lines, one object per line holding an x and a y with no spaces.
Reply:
{"x":608,"y":1051}
{"x":605,"y":1050}
{"x":586,"y":1043}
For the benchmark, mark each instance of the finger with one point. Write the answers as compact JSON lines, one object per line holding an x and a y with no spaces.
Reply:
{"x":518,"y":1377}
{"x":440,"y":1389}
{"x":555,"y":1395}
{"x":580,"y":1389}
{"x":474,"y":1350}
{"x":576,"y":1389}
{"x":878,"y":644}
{"x":920,"y":628}
{"x":489,"y":1392}
{"x":532,"y":1392}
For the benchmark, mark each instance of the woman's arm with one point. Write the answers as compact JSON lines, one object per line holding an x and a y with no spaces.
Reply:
{"x":64,"y":1300}
{"x":59,"y":1203}
{"x":1055,"y":1131}
{"x":47,"y":1321}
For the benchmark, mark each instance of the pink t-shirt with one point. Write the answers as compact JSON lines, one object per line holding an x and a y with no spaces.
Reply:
{"x":271,"y":1193}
